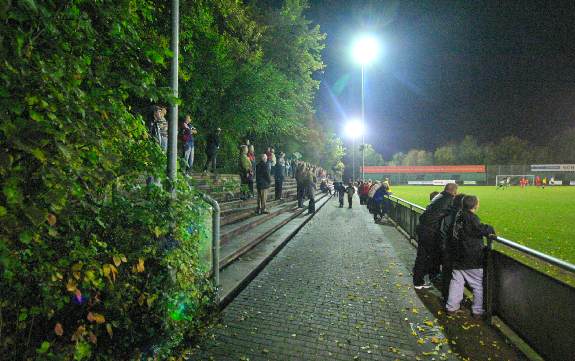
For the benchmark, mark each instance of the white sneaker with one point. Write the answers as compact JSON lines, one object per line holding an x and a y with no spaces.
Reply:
{"x":423,"y":286}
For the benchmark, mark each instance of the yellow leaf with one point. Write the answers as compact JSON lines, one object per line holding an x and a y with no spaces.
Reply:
{"x":141,"y":299}
{"x":124,"y":259}
{"x":140,"y":265}
{"x":421,"y":341}
{"x":117,"y":260}
{"x":109,"y":330}
{"x":428,"y":323}
{"x":415,"y":310}
{"x":58,"y":329}
{"x":110,"y":272}
{"x":96,"y":317}
{"x":79,"y":333}
{"x":71,"y":285}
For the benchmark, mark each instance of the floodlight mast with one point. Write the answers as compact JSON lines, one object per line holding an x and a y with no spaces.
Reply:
{"x":365,"y":51}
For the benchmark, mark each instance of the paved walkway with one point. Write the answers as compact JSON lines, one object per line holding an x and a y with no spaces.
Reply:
{"x":337,"y":291}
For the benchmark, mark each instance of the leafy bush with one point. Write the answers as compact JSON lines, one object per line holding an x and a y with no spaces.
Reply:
{"x":93,"y":262}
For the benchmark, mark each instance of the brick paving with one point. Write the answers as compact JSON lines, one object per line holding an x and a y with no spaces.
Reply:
{"x":337,"y":291}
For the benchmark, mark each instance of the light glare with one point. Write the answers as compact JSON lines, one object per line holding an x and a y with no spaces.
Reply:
{"x":354,"y":129}
{"x":365,"y":50}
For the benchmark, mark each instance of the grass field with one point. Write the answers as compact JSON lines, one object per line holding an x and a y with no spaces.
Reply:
{"x":542,"y":219}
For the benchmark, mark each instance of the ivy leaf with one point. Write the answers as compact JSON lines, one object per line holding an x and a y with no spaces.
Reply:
{"x":44,"y":347}
{"x":39,"y":154}
{"x":109,"y":330}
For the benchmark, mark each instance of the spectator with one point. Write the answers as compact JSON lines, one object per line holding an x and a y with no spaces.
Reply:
{"x":428,"y":259}
{"x":212,"y":146}
{"x":447,"y":247}
{"x":350,"y":190}
{"x":293,"y":167}
{"x":263,"y":182}
{"x":246,"y":175}
{"x":309,"y":188}
{"x":340,"y":190}
{"x":380,"y":203}
{"x":299,"y":174}
{"x":371,"y":192}
{"x":163,"y":127}
{"x":468,"y":258}
{"x":252,"y":157}
{"x":188,"y":132}
{"x":279,"y":172}
{"x":432,"y":195}
{"x":154,"y":124}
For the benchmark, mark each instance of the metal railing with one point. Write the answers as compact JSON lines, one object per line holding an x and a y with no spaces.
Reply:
{"x":535,"y":305}
{"x":215,"y":273}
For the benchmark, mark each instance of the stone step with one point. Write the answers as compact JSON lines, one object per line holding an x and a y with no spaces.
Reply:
{"x":235,"y":246}
{"x":245,"y":262}
{"x":232,"y":230}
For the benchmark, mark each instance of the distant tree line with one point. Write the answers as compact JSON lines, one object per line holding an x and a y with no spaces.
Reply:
{"x":508,"y":150}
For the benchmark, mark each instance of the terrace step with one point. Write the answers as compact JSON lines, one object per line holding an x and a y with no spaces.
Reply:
{"x":250,"y":255}
{"x":235,"y":246}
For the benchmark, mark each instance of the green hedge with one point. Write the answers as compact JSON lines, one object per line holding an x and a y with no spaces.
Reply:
{"x":93,"y":263}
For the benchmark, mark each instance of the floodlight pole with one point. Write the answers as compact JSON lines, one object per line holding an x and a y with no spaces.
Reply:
{"x":353,"y":161}
{"x":173,"y":124}
{"x":362,"y":124}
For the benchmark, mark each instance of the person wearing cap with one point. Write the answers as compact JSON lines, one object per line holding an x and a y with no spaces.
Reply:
{"x":188,"y":132}
{"x":212,"y":147}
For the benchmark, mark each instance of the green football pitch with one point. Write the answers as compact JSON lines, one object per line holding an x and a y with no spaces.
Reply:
{"x":542,"y":219}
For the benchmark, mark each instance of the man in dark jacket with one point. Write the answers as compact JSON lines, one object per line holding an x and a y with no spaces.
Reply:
{"x":447,"y":244}
{"x":279,"y":174}
{"x":263,"y":182}
{"x":468,"y":257}
{"x":212,"y":146}
{"x":428,"y":259}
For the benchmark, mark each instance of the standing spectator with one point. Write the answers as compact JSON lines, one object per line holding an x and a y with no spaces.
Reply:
{"x":380,"y":203}
{"x":246,"y":175}
{"x":428,"y":259}
{"x":293,"y":167}
{"x":252,"y":157}
{"x":212,"y":146}
{"x":309,"y":188}
{"x":299,"y":174}
{"x":447,"y":246}
{"x":340,"y":189}
{"x":269,"y":156}
{"x":154,"y":124}
{"x":350,"y":190}
{"x":468,"y":258}
{"x":263,"y":182}
{"x":163,"y":126}
{"x":188,"y":132}
{"x":279,"y":173}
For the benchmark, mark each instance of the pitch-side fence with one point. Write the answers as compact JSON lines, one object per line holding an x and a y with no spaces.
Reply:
{"x":536,"y":306}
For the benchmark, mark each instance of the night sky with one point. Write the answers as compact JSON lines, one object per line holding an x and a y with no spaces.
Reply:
{"x":450,"y":68}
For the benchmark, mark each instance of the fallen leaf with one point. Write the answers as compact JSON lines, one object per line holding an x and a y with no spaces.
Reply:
{"x":109,"y":330}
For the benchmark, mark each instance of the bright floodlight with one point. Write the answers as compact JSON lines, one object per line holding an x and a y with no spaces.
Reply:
{"x":365,"y":49}
{"x":354,"y":129}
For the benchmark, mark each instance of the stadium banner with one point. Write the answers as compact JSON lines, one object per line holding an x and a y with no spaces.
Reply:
{"x":470,"y":183}
{"x":553,"y":167}
{"x":572,"y":183}
{"x":442,"y":182}
{"x":556,"y":183}
{"x":426,"y":169}
{"x":420,"y":183}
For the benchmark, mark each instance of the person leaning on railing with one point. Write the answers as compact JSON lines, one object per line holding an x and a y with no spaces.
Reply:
{"x":428,"y":259}
{"x":468,"y":257}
